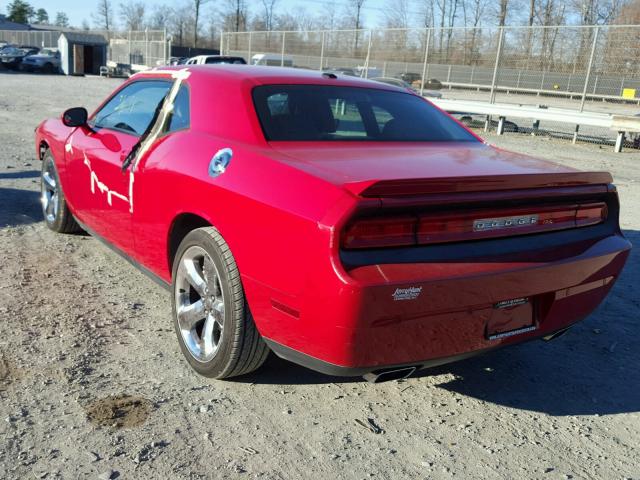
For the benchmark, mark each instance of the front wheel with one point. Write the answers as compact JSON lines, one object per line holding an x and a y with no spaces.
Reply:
{"x":56,"y":212}
{"x":215,"y":329}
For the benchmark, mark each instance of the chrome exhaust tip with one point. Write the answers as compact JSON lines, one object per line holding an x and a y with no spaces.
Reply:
{"x":554,"y":335}
{"x":380,"y":376}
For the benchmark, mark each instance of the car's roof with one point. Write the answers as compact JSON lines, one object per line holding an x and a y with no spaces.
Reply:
{"x":264,"y":75}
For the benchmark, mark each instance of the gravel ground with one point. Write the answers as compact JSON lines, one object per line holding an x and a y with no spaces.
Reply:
{"x":93,"y":385}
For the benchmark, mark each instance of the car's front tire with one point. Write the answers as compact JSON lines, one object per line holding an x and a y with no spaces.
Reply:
{"x":215,"y":328}
{"x":56,"y":212}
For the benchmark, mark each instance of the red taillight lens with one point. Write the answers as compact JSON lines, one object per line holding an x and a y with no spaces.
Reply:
{"x":469,"y":225}
{"x":381,"y":232}
{"x":591,"y":214}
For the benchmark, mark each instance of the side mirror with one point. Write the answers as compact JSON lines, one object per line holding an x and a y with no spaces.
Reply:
{"x":75,"y":117}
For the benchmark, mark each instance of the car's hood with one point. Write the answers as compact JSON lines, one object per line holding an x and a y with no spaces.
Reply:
{"x":410,"y":168}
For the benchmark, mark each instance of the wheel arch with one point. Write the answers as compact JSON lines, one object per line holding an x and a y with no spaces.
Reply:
{"x":181,"y":225}
{"x":43,"y":147}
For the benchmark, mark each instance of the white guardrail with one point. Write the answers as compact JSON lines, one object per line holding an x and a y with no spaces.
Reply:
{"x":622,"y":124}
{"x":539,"y":91}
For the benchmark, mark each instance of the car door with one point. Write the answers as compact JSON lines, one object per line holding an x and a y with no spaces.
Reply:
{"x":102,"y":194}
{"x":156,"y":175}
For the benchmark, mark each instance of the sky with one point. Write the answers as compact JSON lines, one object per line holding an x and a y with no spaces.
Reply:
{"x":82,"y":10}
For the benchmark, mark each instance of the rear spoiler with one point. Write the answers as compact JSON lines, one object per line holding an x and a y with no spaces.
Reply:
{"x":447,"y":185}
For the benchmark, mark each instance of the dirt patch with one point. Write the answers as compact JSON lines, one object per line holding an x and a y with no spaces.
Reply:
{"x":122,"y":411}
{"x":8,"y":372}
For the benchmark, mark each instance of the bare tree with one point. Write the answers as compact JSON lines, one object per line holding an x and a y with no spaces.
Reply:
{"x":269,"y":8}
{"x":354,"y":16}
{"x":197,"y":5}
{"x":327,"y":20}
{"x":473,"y":12}
{"x":549,"y":14}
{"x":530,"y":20}
{"x":161,"y":17}
{"x":181,"y":22}
{"x":132,"y":15}
{"x":103,"y":16}
{"x":397,"y":19}
{"x":502,"y":13}
{"x":398,"y":15}
{"x":448,"y":11}
{"x":235,"y":15}
{"x":427,"y":14}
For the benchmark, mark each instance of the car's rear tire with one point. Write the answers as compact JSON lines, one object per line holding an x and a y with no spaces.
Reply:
{"x":56,"y":212}
{"x":215,"y":328}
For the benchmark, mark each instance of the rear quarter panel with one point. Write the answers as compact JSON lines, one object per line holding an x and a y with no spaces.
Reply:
{"x":272,"y":216}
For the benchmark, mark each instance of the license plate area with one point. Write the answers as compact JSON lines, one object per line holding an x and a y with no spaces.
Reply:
{"x":511,"y":317}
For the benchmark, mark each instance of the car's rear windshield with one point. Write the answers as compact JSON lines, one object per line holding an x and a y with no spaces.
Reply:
{"x":338,"y":113}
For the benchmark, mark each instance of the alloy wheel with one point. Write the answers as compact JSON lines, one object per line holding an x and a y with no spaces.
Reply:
{"x":199,"y":304}
{"x":49,"y":191}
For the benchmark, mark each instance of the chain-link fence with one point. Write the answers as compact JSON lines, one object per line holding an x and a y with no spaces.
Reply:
{"x":560,"y":66}
{"x":599,"y":61}
{"x":149,"y":48}
{"x":145,"y":48}
{"x":32,"y":38}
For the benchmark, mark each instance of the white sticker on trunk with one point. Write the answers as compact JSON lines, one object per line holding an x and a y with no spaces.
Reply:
{"x":410,"y":293}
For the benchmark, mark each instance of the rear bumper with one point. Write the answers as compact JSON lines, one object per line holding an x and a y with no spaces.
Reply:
{"x":361,"y":324}
{"x":341,"y":371}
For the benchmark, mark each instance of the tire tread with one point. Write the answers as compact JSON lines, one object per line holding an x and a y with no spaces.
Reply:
{"x":248,"y":351}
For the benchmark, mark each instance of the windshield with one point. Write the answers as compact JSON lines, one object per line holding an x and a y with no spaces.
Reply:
{"x":328,"y":113}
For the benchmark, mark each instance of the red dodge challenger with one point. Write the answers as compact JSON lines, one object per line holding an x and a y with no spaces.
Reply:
{"x":346,"y":225}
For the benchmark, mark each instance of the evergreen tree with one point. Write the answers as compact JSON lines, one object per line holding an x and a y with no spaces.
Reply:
{"x":42,"y":16}
{"x":20,"y":11}
{"x":62,"y":20}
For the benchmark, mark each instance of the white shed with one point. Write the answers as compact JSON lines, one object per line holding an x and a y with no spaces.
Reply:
{"x":82,"y":53}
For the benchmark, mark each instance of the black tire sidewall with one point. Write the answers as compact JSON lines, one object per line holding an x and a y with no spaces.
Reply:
{"x":56,"y":225}
{"x":218,"y":365}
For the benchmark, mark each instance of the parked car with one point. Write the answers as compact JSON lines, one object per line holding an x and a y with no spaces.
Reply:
{"x":396,"y":82}
{"x":402,"y":84}
{"x":272,"y":60}
{"x":341,"y":71}
{"x":339,"y":222}
{"x":12,"y":57}
{"x":478,"y":121}
{"x":415,"y":79}
{"x":634,"y":138}
{"x":47,"y":61}
{"x":178,"y":60}
{"x":215,"y":59}
{"x":410,"y":77}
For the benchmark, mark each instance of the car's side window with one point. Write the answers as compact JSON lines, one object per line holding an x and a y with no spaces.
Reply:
{"x":180,"y":116}
{"x":348,"y":120}
{"x":132,"y":109}
{"x":382,"y":116}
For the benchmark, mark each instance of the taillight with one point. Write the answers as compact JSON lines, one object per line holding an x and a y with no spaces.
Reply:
{"x":591,"y":214}
{"x":469,"y":225}
{"x":381,"y":232}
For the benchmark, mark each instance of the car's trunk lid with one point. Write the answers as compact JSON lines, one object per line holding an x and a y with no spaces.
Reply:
{"x":373,"y":169}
